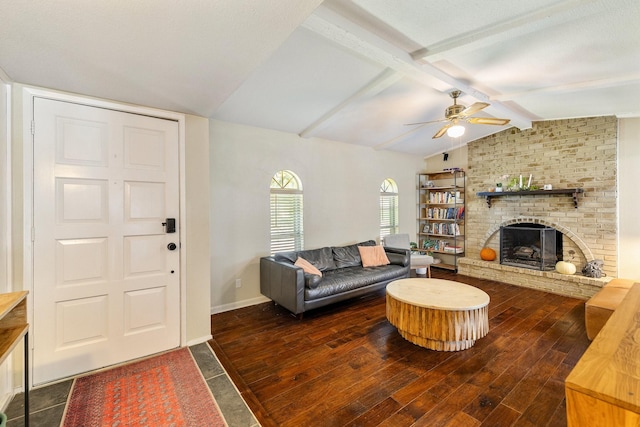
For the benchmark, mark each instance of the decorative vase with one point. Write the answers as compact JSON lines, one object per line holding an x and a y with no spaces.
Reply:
{"x":498,"y":189}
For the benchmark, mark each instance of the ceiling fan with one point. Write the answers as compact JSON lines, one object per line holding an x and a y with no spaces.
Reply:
{"x":456,"y":113}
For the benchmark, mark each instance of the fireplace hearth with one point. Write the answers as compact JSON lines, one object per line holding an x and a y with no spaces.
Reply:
{"x":528,"y":245}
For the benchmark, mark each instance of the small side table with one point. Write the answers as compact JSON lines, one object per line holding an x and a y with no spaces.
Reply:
{"x":14,"y":327}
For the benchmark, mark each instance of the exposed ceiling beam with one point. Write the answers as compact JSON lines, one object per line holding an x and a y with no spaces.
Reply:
{"x":339,"y":30}
{"x":534,"y":21}
{"x":382,"y":81}
{"x":343,"y":32}
{"x":593,"y":84}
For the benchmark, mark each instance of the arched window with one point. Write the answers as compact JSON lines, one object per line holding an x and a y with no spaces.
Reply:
{"x":388,"y":207}
{"x":287,"y":231}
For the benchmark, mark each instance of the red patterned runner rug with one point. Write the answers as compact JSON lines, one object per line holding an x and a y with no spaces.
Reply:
{"x":164,"y":390}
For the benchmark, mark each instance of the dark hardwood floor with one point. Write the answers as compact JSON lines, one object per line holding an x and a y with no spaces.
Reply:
{"x":345,"y":365}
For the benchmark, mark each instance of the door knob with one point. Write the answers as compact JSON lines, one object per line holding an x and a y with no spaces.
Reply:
{"x":171,"y":246}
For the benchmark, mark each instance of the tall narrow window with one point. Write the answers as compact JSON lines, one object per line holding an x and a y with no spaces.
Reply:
{"x":388,"y":207}
{"x":287,"y":231}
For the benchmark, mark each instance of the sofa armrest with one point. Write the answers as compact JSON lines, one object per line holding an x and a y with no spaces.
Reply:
{"x":398,"y":256}
{"x":283,"y":283}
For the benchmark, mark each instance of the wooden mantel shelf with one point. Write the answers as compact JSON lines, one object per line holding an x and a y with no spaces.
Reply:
{"x":488,"y":195}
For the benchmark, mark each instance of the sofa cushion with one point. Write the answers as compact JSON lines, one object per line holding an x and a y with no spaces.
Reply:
{"x":373,"y":256}
{"x":286,"y":256}
{"x":346,"y":256}
{"x":321,"y":258}
{"x":397,"y":259}
{"x":367,"y":243}
{"x":312,"y":281}
{"x":307,"y":266}
{"x":349,"y":256}
{"x":346,"y":279}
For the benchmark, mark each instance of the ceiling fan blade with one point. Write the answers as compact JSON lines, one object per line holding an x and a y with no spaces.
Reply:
{"x":473,"y":108}
{"x":487,"y":121}
{"x":424,"y":123}
{"x":442,"y":131}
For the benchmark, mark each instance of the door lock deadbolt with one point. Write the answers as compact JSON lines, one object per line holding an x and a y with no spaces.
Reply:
{"x":170,"y":225}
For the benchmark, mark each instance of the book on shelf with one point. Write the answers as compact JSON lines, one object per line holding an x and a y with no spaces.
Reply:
{"x":441,"y":246}
{"x":445,"y":229}
{"x":445,"y":197}
{"x":453,"y":249}
{"x":446,"y":213}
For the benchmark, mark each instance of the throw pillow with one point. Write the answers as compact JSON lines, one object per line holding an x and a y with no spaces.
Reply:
{"x":307,"y":266}
{"x":373,"y":256}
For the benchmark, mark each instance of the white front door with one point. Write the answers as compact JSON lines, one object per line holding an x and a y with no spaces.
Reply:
{"x":106,"y":282}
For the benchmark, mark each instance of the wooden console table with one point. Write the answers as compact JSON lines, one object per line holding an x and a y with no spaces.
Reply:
{"x":488,"y":195}
{"x":13,"y":328}
{"x":603,"y":389}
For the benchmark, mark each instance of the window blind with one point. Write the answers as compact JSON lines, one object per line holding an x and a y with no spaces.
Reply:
{"x":388,"y":214}
{"x":287,"y":232}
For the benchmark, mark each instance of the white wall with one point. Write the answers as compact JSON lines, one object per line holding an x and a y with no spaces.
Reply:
{"x":628,"y":200}
{"x":341,"y":185}
{"x":198,"y":327}
{"x":458,"y":158}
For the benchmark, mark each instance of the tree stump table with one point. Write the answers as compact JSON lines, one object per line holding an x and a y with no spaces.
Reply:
{"x":438,"y":314}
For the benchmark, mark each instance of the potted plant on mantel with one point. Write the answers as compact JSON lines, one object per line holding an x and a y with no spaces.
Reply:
{"x":499,"y":184}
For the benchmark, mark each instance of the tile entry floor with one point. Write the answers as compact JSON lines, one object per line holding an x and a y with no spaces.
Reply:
{"x":46,"y":404}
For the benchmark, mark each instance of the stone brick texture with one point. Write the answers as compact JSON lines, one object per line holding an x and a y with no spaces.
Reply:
{"x":571,"y":153}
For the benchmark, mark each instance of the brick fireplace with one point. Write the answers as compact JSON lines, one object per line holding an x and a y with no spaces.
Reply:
{"x":530,"y":245}
{"x":572,"y":153}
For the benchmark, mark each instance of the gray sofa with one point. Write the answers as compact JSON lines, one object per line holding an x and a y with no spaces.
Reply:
{"x":343,"y":276}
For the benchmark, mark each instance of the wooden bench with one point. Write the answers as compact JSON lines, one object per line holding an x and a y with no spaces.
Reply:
{"x":602,"y":305}
{"x":603,"y":389}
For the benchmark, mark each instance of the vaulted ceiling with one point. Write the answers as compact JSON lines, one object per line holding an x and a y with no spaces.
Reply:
{"x":355,"y":71}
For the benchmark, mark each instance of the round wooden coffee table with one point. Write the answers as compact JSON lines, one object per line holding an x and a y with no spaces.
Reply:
{"x":438,"y":314}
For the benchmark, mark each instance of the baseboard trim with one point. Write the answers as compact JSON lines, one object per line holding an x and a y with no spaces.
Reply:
{"x":200,"y":340}
{"x":238,"y":304}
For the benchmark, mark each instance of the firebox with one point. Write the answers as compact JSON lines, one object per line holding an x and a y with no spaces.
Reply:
{"x":533,"y":246}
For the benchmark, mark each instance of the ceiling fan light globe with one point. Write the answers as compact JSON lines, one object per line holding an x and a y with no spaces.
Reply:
{"x":455,"y":131}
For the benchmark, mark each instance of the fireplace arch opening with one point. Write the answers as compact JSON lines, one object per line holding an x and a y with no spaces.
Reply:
{"x":530,"y":245}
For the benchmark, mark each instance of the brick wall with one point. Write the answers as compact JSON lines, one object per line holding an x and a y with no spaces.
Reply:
{"x":564,"y":153}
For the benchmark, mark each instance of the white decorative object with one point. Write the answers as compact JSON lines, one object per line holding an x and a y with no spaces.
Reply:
{"x":564,"y":267}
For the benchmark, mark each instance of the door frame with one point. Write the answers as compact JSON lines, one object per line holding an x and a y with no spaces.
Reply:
{"x":6,"y":275}
{"x":29,"y":94}
{"x":6,"y":284}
